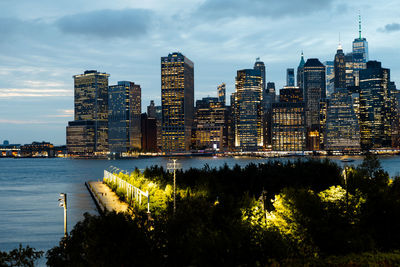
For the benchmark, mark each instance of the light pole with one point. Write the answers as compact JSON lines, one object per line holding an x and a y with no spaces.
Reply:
{"x":347,"y":191}
{"x":63,"y":203}
{"x":174,"y":166}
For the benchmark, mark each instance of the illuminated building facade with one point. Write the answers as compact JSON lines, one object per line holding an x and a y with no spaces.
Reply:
{"x":210,"y":124}
{"x":350,"y":81}
{"x":177,"y":100}
{"x":222,"y":93}
{"x":342,"y":129}
{"x":314,"y":91}
{"x":260,"y":66}
{"x":291,"y":94}
{"x":88,"y":133}
{"x":124,"y":108}
{"x":340,"y":68}
{"x":248,"y":110}
{"x":290,"y":77}
{"x":376,"y":106}
{"x":288,"y":131}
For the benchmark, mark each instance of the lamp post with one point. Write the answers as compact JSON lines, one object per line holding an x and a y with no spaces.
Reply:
{"x":347,"y":191}
{"x":63,"y":203}
{"x":174,"y":166}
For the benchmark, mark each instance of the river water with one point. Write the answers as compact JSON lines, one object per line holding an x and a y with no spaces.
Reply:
{"x":30,"y":188}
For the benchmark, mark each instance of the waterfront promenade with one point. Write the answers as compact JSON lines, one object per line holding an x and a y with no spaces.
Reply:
{"x":106,"y":199}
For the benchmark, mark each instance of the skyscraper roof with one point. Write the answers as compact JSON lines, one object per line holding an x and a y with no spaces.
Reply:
{"x":302,"y":62}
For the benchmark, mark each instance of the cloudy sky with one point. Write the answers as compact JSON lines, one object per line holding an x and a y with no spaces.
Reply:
{"x":45,"y":42}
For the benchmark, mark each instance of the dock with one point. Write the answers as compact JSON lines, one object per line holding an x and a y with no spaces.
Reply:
{"x":105,"y":199}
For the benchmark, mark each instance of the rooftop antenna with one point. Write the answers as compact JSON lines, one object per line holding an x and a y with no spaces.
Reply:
{"x":359,"y":24}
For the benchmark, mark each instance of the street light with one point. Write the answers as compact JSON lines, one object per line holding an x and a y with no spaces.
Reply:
{"x":347,"y":191}
{"x":174,"y":166}
{"x":63,"y":203}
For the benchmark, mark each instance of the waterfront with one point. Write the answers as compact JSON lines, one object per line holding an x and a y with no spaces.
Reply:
{"x":29,"y":190}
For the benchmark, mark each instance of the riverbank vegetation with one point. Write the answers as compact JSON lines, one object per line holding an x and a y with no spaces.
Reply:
{"x":295,"y":213}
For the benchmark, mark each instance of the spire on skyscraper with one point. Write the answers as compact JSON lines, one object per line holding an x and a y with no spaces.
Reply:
{"x":302,"y":62}
{"x":359,"y":26}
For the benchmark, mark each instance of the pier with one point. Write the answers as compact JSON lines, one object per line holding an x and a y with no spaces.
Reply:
{"x":105,"y":199}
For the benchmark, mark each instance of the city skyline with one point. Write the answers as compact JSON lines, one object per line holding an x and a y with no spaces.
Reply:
{"x":43,"y":51}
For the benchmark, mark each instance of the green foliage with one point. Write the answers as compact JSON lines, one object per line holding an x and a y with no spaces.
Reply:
{"x":20,"y":256}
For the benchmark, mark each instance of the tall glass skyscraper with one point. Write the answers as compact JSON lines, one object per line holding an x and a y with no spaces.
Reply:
{"x":248,"y":110}
{"x":290,"y":77}
{"x":314,"y":92}
{"x":88,"y":133}
{"x":124,"y":109}
{"x":177,"y":100}
{"x":330,"y":77}
{"x":342,"y":129}
{"x":259,"y":65}
{"x":376,"y":106}
{"x":360,"y":53}
{"x":222,"y":93}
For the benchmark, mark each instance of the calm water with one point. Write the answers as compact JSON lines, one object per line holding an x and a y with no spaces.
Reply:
{"x":29,"y":191}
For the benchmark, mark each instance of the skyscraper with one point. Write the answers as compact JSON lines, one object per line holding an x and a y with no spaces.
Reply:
{"x":88,"y":133}
{"x":360,"y":54}
{"x":248,"y":110}
{"x":177,"y":99}
{"x":314,"y":92}
{"x":291,"y":94}
{"x":340,"y":68}
{"x":300,"y":72}
{"x":221,"y":93}
{"x":342,"y":129}
{"x":376,"y":106}
{"x":330,"y":77}
{"x":290,"y":77}
{"x":259,"y":65}
{"x":124,"y":109}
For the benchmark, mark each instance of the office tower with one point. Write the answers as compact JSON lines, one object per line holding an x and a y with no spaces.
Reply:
{"x":269,"y":97}
{"x":88,"y":133}
{"x":149,"y":133}
{"x":300,"y":72}
{"x":159,"y":127}
{"x":259,"y":65}
{"x":340,"y":68}
{"x":248,"y":110}
{"x":210,"y":131}
{"x":291,"y":94}
{"x":348,"y":58}
{"x":360,"y":54}
{"x":396,"y":115}
{"x":151,"y":110}
{"x":342,"y":129}
{"x":290,"y":77}
{"x":288,"y":129}
{"x":221,"y":93}
{"x":330,"y":77}
{"x":124,"y":109}
{"x":314,"y":92}
{"x":177,"y":100}
{"x":376,"y":106}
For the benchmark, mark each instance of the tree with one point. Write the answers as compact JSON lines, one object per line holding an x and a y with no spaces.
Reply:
{"x":20,"y":257}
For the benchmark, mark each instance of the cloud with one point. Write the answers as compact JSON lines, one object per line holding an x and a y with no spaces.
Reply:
{"x":107,"y":23}
{"x":393,"y":27}
{"x":24,"y":92}
{"x":262,"y":8}
{"x":63,"y":113}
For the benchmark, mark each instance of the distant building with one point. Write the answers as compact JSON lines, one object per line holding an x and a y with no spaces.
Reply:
{"x":288,"y":126}
{"x":300,"y":72}
{"x":177,"y":100}
{"x":330,"y":77}
{"x":151,"y":110}
{"x":9,"y":150}
{"x":124,"y":109}
{"x":210,"y":131}
{"x":149,"y":133}
{"x":290,"y":77}
{"x":360,"y":54}
{"x":291,"y":94}
{"x":350,"y":80}
{"x":314,"y":92}
{"x":221,"y":93}
{"x":340,"y":68}
{"x":342,"y":129}
{"x":376,"y":106}
{"x":38,"y":149}
{"x":88,"y":133}
{"x":248,"y":110}
{"x":260,"y":66}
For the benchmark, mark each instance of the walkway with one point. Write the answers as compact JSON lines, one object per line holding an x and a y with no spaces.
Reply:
{"x":105,"y":198}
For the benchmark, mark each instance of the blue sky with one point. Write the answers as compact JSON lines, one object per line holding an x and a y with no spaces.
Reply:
{"x":45,"y":42}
